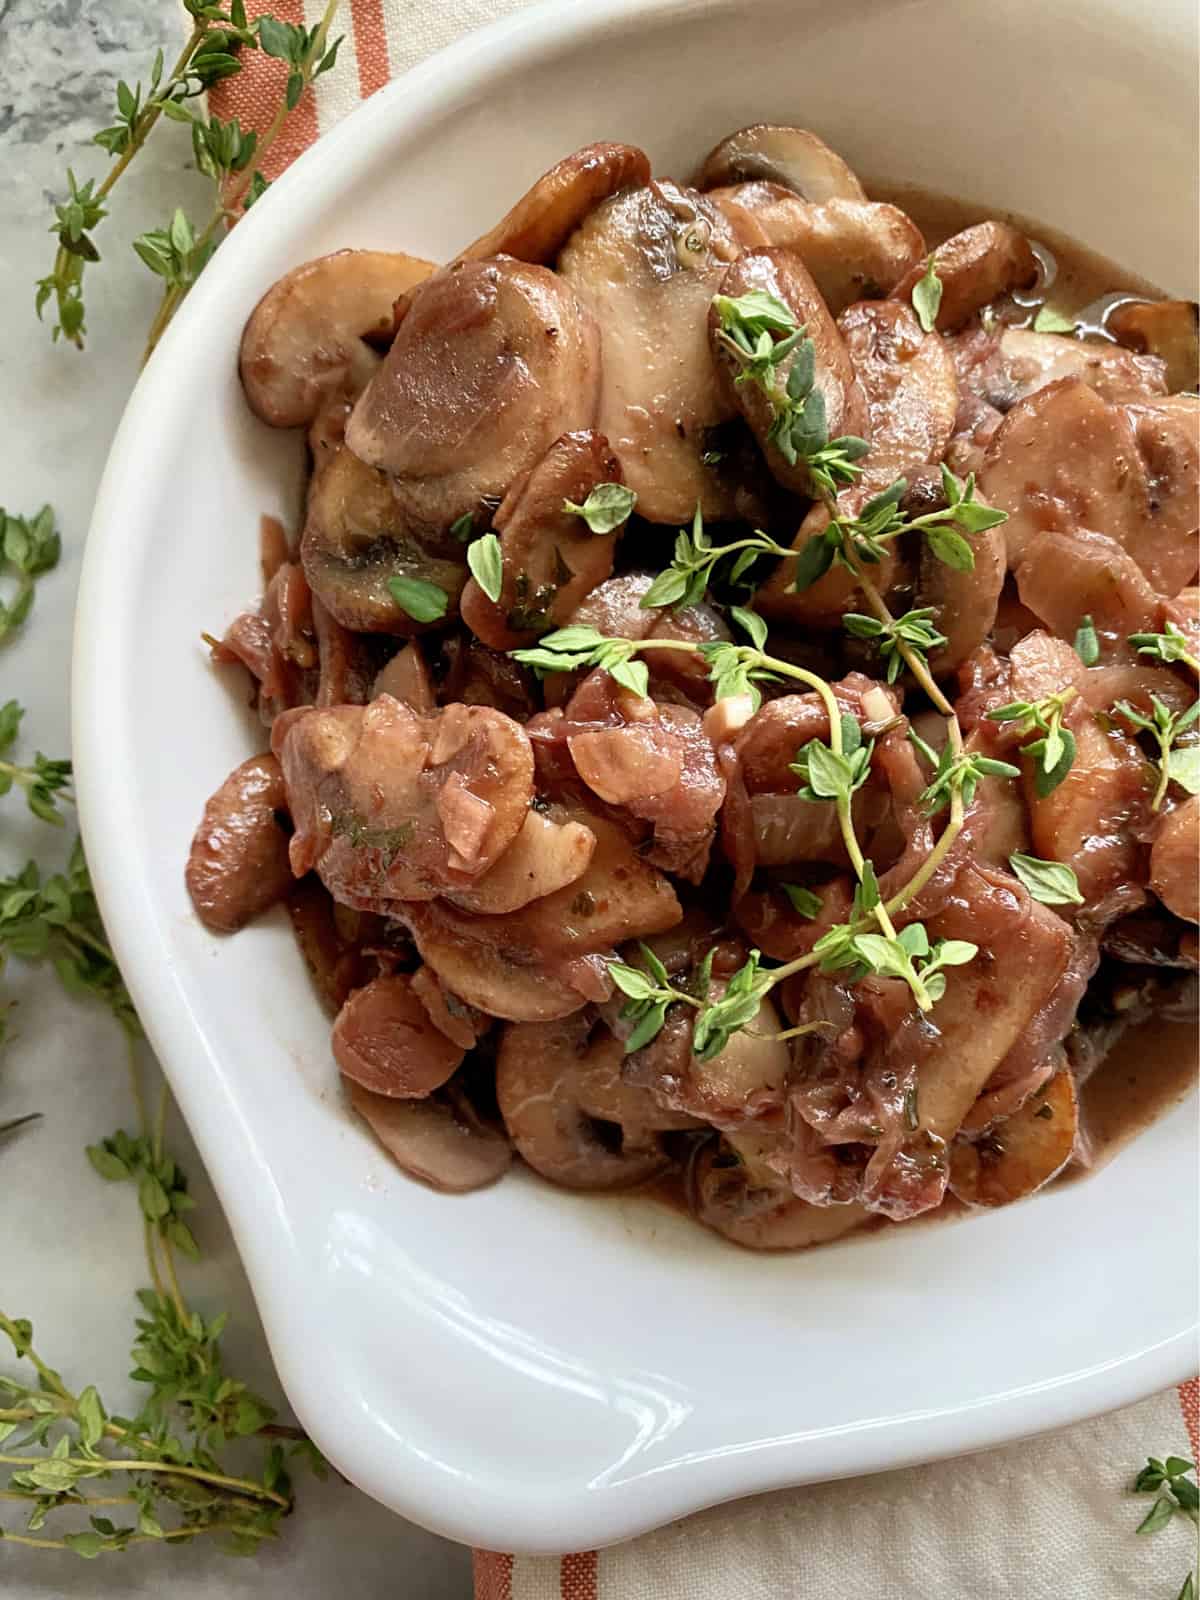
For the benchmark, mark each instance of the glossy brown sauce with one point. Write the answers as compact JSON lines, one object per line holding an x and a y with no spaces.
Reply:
{"x":1153,"y":1067}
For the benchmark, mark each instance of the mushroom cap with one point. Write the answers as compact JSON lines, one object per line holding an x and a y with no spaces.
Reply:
{"x":794,"y":158}
{"x":544,"y":218}
{"x":306,"y":339}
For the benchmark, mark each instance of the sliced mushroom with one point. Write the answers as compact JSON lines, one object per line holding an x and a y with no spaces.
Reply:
{"x":964,"y":603}
{"x":385,"y":1040}
{"x":781,"y":274}
{"x":437,"y":1141}
{"x":551,"y":558}
{"x":544,"y":218}
{"x":543,"y":961}
{"x":355,"y":540}
{"x":238,"y":863}
{"x":307,"y":339}
{"x":1021,"y":1153}
{"x":725,"y":1197}
{"x":1028,"y":361}
{"x":646,"y":264}
{"x":1091,"y":821}
{"x":549,"y":853}
{"x":794,"y":158}
{"x":615,"y":609}
{"x":450,"y":1015}
{"x":1164,"y":328}
{"x":541,"y":1076}
{"x":391,"y":806}
{"x":1175,"y":860}
{"x":1066,"y":460}
{"x":732,"y":1087}
{"x":406,"y":678}
{"x":332,"y":940}
{"x":912,"y":399}
{"x":854,"y":249}
{"x":975,"y":267}
{"x":492,"y":361}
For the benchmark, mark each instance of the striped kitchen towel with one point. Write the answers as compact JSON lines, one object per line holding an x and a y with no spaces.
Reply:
{"x":1048,"y":1519}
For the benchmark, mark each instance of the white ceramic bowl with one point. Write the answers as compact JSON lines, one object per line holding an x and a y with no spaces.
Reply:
{"x":524,"y":1368}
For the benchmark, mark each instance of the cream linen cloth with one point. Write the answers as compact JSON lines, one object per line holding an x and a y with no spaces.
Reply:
{"x":1050,"y":1519}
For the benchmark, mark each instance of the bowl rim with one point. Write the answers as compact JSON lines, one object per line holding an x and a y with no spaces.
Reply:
{"x":497,"y":1517}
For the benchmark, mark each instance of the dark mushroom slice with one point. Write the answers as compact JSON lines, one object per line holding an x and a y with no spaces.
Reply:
{"x":492,"y":361}
{"x":782,"y":274}
{"x":551,"y":558}
{"x":1021,"y":1154}
{"x":975,"y":267}
{"x":794,"y":158}
{"x":439,"y":1141}
{"x":356,"y":540}
{"x":854,"y":249}
{"x":546,"y":959}
{"x":544,"y":218}
{"x":728,"y":1197}
{"x":1163,"y":328}
{"x":646,"y":264}
{"x":312,"y":336}
{"x":385,"y":1040}
{"x":542,"y":1073}
{"x":238,"y":863}
{"x":391,"y":806}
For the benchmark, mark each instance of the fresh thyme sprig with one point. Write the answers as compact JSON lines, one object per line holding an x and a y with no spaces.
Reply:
{"x":914,"y":628}
{"x":178,"y":252}
{"x":831,"y":771}
{"x":1176,"y":763}
{"x":1169,"y":646}
{"x":960,"y":772}
{"x":863,"y":539}
{"x":1053,"y":750}
{"x":761,"y":333}
{"x":168,"y":1462}
{"x":694,"y":560}
{"x":45,"y":783}
{"x":29,"y":547}
{"x":607,"y":506}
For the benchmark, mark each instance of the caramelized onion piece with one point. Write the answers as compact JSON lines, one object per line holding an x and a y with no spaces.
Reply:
{"x":238,"y":863}
{"x":544,"y":218}
{"x":1175,"y":860}
{"x":306,"y":340}
{"x":546,"y":856}
{"x":439,"y":1142}
{"x":491,"y":362}
{"x":1022,"y":1153}
{"x":385,"y":1040}
{"x":794,"y":158}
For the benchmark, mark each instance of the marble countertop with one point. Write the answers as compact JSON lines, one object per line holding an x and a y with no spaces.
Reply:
{"x":72,"y":1252}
